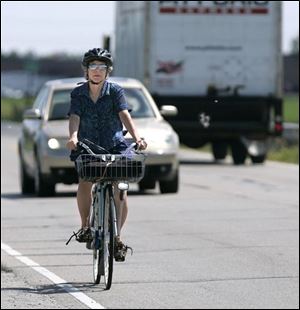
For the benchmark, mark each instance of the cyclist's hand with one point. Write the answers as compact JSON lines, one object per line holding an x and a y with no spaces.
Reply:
{"x":72,"y":143}
{"x":141,"y":144}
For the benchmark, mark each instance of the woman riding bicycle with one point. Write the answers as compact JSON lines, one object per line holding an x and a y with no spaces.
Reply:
{"x":98,"y":111}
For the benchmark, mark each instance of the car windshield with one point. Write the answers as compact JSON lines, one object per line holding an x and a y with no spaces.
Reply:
{"x":136,"y":99}
{"x":60,"y":104}
{"x":138,"y":103}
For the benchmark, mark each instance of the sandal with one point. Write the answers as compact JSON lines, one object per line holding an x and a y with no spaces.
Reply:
{"x":121,"y":251}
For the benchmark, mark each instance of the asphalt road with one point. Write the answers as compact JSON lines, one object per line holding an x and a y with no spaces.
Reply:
{"x":228,"y":239}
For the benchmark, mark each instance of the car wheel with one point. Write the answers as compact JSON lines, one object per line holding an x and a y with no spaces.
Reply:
{"x":169,"y":187}
{"x":43,"y":187}
{"x":26,"y":182}
{"x":146,"y":184}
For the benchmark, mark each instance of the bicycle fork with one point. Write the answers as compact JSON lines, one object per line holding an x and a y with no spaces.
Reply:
{"x":123,"y":187}
{"x":113,"y":213}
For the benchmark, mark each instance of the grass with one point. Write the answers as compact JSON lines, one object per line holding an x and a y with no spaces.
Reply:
{"x":12,"y":109}
{"x":291,"y":109}
{"x":279,"y":151}
{"x":282,"y":151}
{"x":287,"y":155}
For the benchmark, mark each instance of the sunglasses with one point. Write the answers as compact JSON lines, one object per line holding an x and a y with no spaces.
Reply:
{"x":99,"y":67}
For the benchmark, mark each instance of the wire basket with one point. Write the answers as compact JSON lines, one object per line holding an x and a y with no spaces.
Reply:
{"x":110,"y":167}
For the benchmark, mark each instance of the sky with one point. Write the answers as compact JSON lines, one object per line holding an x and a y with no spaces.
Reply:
{"x":49,"y":27}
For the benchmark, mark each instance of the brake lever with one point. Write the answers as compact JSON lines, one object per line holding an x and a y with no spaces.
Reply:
{"x":83,"y":145}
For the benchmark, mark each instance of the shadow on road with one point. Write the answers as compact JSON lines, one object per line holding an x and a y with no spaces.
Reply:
{"x":56,"y":289}
{"x":16,"y":196}
{"x":203,"y":162}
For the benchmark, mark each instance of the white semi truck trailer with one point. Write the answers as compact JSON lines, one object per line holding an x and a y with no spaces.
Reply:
{"x":218,"y":62}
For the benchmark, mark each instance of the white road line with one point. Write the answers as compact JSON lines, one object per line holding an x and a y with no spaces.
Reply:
{"x":89,"y":302}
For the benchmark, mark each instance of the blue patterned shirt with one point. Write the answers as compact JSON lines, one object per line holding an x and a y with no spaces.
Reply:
{"x":100,"y":122}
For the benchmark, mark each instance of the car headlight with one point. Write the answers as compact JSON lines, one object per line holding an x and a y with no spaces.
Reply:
{"x":164,"y":144}
{"x":53,"y":144}
{"x":171,"y":139}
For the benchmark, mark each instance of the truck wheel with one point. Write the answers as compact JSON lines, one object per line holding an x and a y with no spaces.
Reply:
{"x":219,"y":150}
{"x":169,"y":187}
{"x":239,"y":152}
{"x":258,"y":159}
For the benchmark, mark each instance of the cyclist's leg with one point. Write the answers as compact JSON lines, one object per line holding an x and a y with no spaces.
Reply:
{"x":121,"y":209}
{"x":84,"y":201}
{"x":121,"y":214}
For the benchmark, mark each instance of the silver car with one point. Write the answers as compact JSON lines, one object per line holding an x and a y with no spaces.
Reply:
{"x":44,"y":159}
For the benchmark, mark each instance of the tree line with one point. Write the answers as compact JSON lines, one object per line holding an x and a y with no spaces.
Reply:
{"x":56,"y":65}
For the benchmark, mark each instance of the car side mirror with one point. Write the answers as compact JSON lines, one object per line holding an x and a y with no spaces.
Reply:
{"x":32,"y":114}
{"x":168,"y":110}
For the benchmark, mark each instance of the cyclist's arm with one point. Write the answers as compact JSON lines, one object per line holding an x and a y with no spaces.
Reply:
{"x":128,"y":123}
{"x":130,"y":126}
{"x":73,"y":130}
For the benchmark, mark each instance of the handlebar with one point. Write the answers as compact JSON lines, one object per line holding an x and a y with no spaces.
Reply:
{"x":87,"y":145}
{"x":84,"y":142}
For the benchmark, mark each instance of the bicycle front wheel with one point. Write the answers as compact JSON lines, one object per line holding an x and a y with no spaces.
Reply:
{"x":95,"y":220}
{"x":107,"y":253}
{"x":96,"y":265}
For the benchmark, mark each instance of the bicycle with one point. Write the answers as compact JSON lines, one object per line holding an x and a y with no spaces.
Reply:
{"x":105,"y":170}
